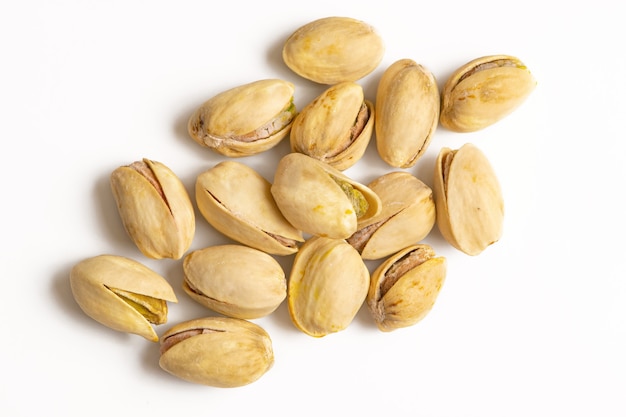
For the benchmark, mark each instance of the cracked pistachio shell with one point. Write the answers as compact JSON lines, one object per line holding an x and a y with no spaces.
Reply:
{"x":334,"y":49}
{"x":484,"y":91}
{"x":407,"y":216}
{"x":220,"y":352}
{"x":404,"y":288}
{"x":245,"y":120}
{"x":407,"y":113}
{"x":327,"y":286}
{"x":319,"y":199}
{"x":336,"y":127}
{"x":236,"y":200}
{"x":470,"y":207}
{"x":122,"y":294}
{"x":155,"y":209}
{"x":235,"y":280}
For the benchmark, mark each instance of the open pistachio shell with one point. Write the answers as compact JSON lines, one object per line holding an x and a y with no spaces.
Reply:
{"x":319,"y":199}
{"x":235,"y":280}
{"x":220,"y":352}
{"x":484,"y":91}
{"x":236,"y":200}
{"x":470,"y":207}
{"x":336,"y":127}
{"x":333,"y":49}
{"x":155,"y":208}
{"x":122,"y":294}
{"x":407,"y":216}
{"x":407,"y":113}
{"x":245,"y":120}
{"x":327,"y":286}
{"x":404,"y":288}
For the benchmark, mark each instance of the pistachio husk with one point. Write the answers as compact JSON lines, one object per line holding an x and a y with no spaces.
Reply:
{"x":407,"y":113}
{"x":155,"y":209}
{"x":221,"y":352}
{"x":122,"y":294}
{"x":468,"y":198}
{"x":245,"y":120}
{"x":484,"y":91}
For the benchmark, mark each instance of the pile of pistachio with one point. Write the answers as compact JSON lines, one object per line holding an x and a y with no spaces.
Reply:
{"x":331,"y":222}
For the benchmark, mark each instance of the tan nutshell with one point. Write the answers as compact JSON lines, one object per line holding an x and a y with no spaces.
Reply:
{"x":245,"y":120}
{"x":236,"y":200}
{"x":155,"y":209}
{"x":407,"y":113}
{"x":327,"y":286}
{"x":484,"y":91}
{"x":335,"y":127}
{"x":235,"y":280}
{"x":319,"y":199}
{"x":334,"y":49}
{"x":407,"y":216}
{"x":122,"y":294}
{"x":470,"y":206}
{"x":220,"y":352}
{"x":404,"y":288}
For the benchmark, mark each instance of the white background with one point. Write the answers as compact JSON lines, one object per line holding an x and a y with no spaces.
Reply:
{"x":534,"y":326}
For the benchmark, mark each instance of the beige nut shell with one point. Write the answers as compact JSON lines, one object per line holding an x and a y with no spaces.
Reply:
{"x":221,"y":352}
{"x":468,"y":198}
{"x":235,"y":280}
{"x":408,"y":215}
{"x":261,"y":112}
{"x":334,"y":49}
{"x":313,"y":202}
{"x":405,"y":297}
{"x":407,"y":113}
{"x":324,"y":128}
{"x":484,"y":91}
{"x":327,"y":286}
{"x":92,"y":278}
{"x":236,"y":200}
{"x":161,"y":223}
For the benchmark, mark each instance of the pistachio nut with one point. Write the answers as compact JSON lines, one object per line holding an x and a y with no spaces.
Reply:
{"x":407,"y":113}
{"x":235,"y":280}
{"x":236,"y":201}
{"x":319,"y":199}
{"x":122,"y":294}
{"x":468,"y":198}
{"x":333,"y":49}
{"x":245,"y":120}
{"x":407,"y":216}
{"x":327,"y":286}
{"x":221,"y":352}
{"x":484,"y":91}
{"x":335,"y":127}
{"x":404,"y":288}
{"x":155,"y":209}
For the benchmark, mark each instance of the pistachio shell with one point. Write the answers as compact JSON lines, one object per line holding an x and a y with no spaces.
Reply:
{"x":235,"y":280}
{"x":407,"y":216}
{"x":121,"y":293}
{"x":404,"y":288}
{"x":245,"y":120}
{"x":333,"y":49}
{"x":327,"y":286}
{"x":217,"y":351}
{"x":336,"y":127}
{"x":236,"y":200}
{"x":407,"y":113}
{"x":484,"y":91}
{"x":155,"y":209}
{"x":470,"y":207}
{"x":319,"y":199}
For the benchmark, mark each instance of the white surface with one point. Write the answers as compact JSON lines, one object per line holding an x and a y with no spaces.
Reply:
{"x":536,"y":325}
